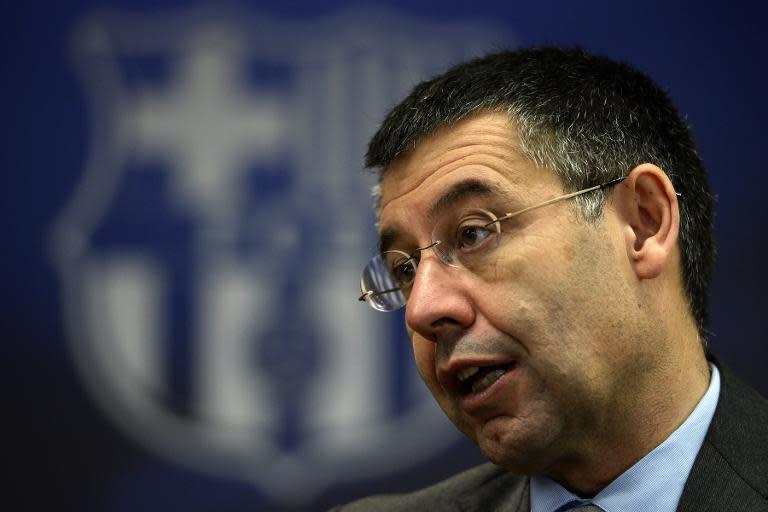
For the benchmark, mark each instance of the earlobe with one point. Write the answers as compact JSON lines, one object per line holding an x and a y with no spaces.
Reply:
{"x":648,"y":207}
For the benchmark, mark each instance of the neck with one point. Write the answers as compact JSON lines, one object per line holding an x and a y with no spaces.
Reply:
{"x":670,"y":390}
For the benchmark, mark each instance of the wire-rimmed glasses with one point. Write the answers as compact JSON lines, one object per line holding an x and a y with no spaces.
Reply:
{"x":463,"y":239}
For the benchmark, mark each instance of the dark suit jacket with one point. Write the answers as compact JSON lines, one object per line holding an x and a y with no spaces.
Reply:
{"x":730,"y":473}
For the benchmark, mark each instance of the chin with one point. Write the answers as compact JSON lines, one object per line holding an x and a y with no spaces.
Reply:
{"x":518,"y":462}
{"x":521,"y":453}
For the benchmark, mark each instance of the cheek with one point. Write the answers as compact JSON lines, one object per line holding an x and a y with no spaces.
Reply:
{"x":424,"y":355}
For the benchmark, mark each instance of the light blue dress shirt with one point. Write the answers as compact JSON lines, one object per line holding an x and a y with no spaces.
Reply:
{"x":656,"y":481}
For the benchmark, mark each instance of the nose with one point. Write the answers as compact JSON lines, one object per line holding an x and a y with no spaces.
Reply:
{"x":439,"y":305}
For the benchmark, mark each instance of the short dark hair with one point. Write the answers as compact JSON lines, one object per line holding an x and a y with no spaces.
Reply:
{"x":588,"y":118}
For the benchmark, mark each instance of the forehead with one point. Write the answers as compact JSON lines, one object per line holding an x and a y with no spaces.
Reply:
{"x":482,"y":151}
{"x":482,"y":140}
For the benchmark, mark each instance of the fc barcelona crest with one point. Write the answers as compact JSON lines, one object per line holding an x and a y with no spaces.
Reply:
{"x":210,"y":253}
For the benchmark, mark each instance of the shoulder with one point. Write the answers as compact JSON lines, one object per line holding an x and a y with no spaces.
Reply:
{"x":483,"y":487}
{"x":739,"y":431}
{"x":731,"y":469}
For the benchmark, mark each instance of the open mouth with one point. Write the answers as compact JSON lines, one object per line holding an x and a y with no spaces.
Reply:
{"x":476,"y":379}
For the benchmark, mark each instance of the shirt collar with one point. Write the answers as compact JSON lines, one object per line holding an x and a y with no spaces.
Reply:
{"x":656,"y":481}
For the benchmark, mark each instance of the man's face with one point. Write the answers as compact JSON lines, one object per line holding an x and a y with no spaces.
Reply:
{"x":548,"y":325}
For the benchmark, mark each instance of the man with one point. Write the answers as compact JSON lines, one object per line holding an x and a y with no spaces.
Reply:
{"x":546,"y":221}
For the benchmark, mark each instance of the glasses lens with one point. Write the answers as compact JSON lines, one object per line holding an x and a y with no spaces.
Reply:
{"x":377,"y":278}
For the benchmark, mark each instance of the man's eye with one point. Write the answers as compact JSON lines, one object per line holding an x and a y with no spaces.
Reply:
{"x":471,"y":237}
{"x":404,"y":271}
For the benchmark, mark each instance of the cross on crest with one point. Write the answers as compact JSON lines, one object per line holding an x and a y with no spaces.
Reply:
{"x":208,"y":124}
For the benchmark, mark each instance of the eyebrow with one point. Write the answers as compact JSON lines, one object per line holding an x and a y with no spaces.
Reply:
{"x":386,"y":238}
{"x":470,"y":187}
{"x":460,"y":191}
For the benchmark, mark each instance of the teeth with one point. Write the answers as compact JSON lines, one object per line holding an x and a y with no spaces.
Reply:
{"x":467,"y":372}
{"x":485,"y":382}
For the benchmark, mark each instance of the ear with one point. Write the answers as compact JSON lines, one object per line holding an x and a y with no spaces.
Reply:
{"x":646,"y":203}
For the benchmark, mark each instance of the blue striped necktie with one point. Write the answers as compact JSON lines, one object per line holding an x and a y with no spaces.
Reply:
{"x":579,"y":506}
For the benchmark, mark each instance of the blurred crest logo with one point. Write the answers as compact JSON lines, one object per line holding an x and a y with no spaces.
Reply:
{"x":210,"y":252}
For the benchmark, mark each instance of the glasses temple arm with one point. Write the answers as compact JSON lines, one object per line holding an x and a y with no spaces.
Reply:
{"x":370,"y":293}
{"x":559,"y":198}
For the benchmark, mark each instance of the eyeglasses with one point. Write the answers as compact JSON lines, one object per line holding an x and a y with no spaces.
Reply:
{"x":463,"y":239}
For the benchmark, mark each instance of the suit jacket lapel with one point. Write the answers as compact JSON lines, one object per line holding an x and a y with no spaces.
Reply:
{"x":731,"y":470}
{"x":507,"y":494}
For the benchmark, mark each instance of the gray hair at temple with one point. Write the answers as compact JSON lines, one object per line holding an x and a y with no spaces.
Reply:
{"x":587,"y":118}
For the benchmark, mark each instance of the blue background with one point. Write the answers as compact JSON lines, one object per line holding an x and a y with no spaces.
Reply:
{"x":64,"y":453}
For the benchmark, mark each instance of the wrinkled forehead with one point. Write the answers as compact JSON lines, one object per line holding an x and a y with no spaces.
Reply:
{"x":484,"y":139}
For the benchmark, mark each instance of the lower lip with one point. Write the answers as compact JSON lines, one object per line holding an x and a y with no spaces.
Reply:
{"x":474,"y":403}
